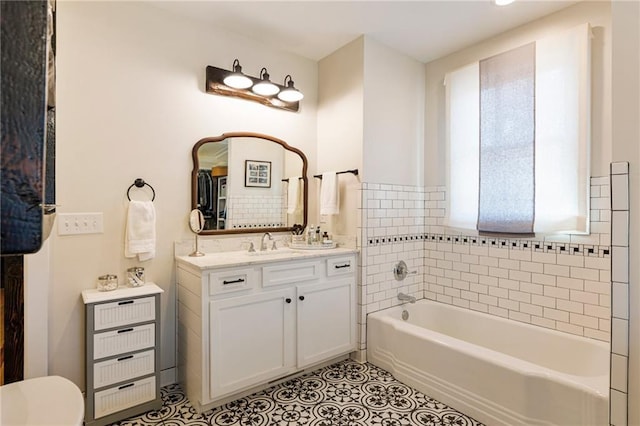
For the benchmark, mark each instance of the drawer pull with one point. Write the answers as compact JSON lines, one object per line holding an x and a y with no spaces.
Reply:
{"x":301,"y":298}
{"x":239,"y":280}
{"x":288,"y":300}
{"x":125,"y":357}
{"x":126,"y":386}
{"x":125,"y":302}
{"x":346,"y":265}
{"x":125,"y":330}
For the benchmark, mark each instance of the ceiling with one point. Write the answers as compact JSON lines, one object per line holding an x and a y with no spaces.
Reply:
{"x":424,"y":30}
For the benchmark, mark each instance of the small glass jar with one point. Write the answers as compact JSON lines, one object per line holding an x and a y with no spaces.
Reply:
{"x":297,"y":240}
{"x":107,"y":282}
{"x":135,"y":276}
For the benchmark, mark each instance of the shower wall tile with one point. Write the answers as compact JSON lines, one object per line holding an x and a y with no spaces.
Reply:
{"x":620,"y":168}
{"x":620,"y":302}
{"x":620,"y":228}
{"x":619,"y":372}
{"x":618,"y":408}
{"x":560,"y":282}
{"x":620,"y":264}
{"x":619,"y":192}
{"x":620,"y":292}
{"x":392,"y":228}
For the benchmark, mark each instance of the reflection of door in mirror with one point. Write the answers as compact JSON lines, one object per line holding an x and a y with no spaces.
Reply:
{"x":212,"y":184}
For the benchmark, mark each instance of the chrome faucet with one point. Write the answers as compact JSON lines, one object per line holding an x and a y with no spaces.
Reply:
{"x":406,"y":298}
{"x":263,"y":244}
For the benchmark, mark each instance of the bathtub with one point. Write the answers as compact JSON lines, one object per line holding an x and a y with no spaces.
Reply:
{"x":498,"y":371}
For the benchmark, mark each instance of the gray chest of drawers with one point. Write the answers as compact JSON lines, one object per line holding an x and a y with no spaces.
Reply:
{"x":122,"y":353}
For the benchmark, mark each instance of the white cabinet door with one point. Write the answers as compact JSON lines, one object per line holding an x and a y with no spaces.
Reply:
{"x":326,"y":320}
{"x":252,"y":340}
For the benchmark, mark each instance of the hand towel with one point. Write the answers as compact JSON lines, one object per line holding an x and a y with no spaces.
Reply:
{"x":293,"y":195}
{"x":329,"y":194}
{"x":140,"y":233}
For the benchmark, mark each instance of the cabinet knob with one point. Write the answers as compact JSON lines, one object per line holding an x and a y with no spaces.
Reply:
{"x":288,"y":300}
{"x":301,"y":298}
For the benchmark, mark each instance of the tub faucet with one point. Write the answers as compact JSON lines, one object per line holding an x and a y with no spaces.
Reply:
{"x":263,"y":244}
{"x":406,"y":298}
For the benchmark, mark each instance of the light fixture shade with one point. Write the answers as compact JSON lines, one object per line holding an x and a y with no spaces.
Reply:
{"x":265,"y":87}
{"x":236,"y":78}
{"x":503,"y":2}
{"x":290,"y":94}
{"x":238,"y":81}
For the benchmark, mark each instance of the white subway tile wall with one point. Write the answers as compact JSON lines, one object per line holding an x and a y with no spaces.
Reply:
{"x":620,"y":292}
{"x":255,"y":212}
{"x":560,"y":282}
{"x":392,"y":228}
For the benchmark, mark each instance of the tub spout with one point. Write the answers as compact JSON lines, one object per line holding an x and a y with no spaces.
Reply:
{"x":406,"y":298}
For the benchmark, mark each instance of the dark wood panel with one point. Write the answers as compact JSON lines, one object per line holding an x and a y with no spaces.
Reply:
{"x":12,"y":283}
{"x":24,"y":94}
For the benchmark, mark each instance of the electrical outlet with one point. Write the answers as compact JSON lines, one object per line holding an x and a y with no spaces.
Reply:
{"x":80,"y":223}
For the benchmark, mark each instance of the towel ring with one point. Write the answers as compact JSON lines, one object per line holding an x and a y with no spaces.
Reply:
{"x":139,"y":183}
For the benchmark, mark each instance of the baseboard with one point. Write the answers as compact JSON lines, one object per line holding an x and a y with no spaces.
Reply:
{"x":168,"y":376}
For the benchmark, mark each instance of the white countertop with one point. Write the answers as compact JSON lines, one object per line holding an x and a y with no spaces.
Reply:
{"x":95,"y":296}
{"x":241,"y":258}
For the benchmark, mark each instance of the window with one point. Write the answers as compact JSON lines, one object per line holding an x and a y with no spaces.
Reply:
{"x":518,"y":138}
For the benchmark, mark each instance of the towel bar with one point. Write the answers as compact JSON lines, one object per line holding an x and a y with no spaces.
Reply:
{"x":354,"y":171}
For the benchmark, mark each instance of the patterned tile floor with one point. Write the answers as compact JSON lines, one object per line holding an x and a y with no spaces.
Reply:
{"x":343,"y":394}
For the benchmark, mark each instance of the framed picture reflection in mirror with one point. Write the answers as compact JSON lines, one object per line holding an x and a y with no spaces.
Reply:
{"x":257,"y":174}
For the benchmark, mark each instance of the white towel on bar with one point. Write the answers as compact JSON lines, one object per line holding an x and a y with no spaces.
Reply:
{"x":140,"y":233}
{"x":329,"y":194}
{"x":294,"y":203}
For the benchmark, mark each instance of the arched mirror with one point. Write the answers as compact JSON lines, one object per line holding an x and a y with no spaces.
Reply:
{"x":248,"y":182}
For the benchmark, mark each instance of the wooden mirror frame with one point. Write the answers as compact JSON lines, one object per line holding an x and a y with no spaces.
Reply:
{"x":194,"y":179}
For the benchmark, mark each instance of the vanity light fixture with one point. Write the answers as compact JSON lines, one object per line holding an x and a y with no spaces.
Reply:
{"x":258,"y":89}
{"x":237,"y":79}
{"x":502,"y":2}
{"x":265,"y":87}
{"x":290,"y":93}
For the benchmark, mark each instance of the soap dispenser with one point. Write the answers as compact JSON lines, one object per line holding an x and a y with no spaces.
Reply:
{"x":311,"y":235}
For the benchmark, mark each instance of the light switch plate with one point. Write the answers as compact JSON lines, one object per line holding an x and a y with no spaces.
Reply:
{"x":80,"y":223}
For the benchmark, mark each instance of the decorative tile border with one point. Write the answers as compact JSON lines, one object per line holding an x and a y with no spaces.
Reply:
{"x":501,"y":243}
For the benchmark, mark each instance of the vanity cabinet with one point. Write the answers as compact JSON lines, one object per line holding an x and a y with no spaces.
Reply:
{"x":122,"y":353}
{"x":251,"y":340}
{"x":242,"y":327}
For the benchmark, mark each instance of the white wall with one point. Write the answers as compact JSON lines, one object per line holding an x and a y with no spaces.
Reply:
{"x":37,"y":281}
{"x":393,"y":116}
{"x":626,"y":142}
{"x":370,"y":117}
{"x":598,"y":14}
{"x":340,"y":132}
{"x":131,"y":103}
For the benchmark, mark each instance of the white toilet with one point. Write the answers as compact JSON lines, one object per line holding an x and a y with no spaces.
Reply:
{"x":50,"y":400}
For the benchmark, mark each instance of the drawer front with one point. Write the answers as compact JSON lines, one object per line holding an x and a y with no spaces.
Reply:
{"x":118,"y":398}
{"x":123,"y":312}
{"x":290,"y":273}
{"x":123,"y":368}
{"x":124,"y":340}
{"x":230,"y":281}
{"x":341,"y":266}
